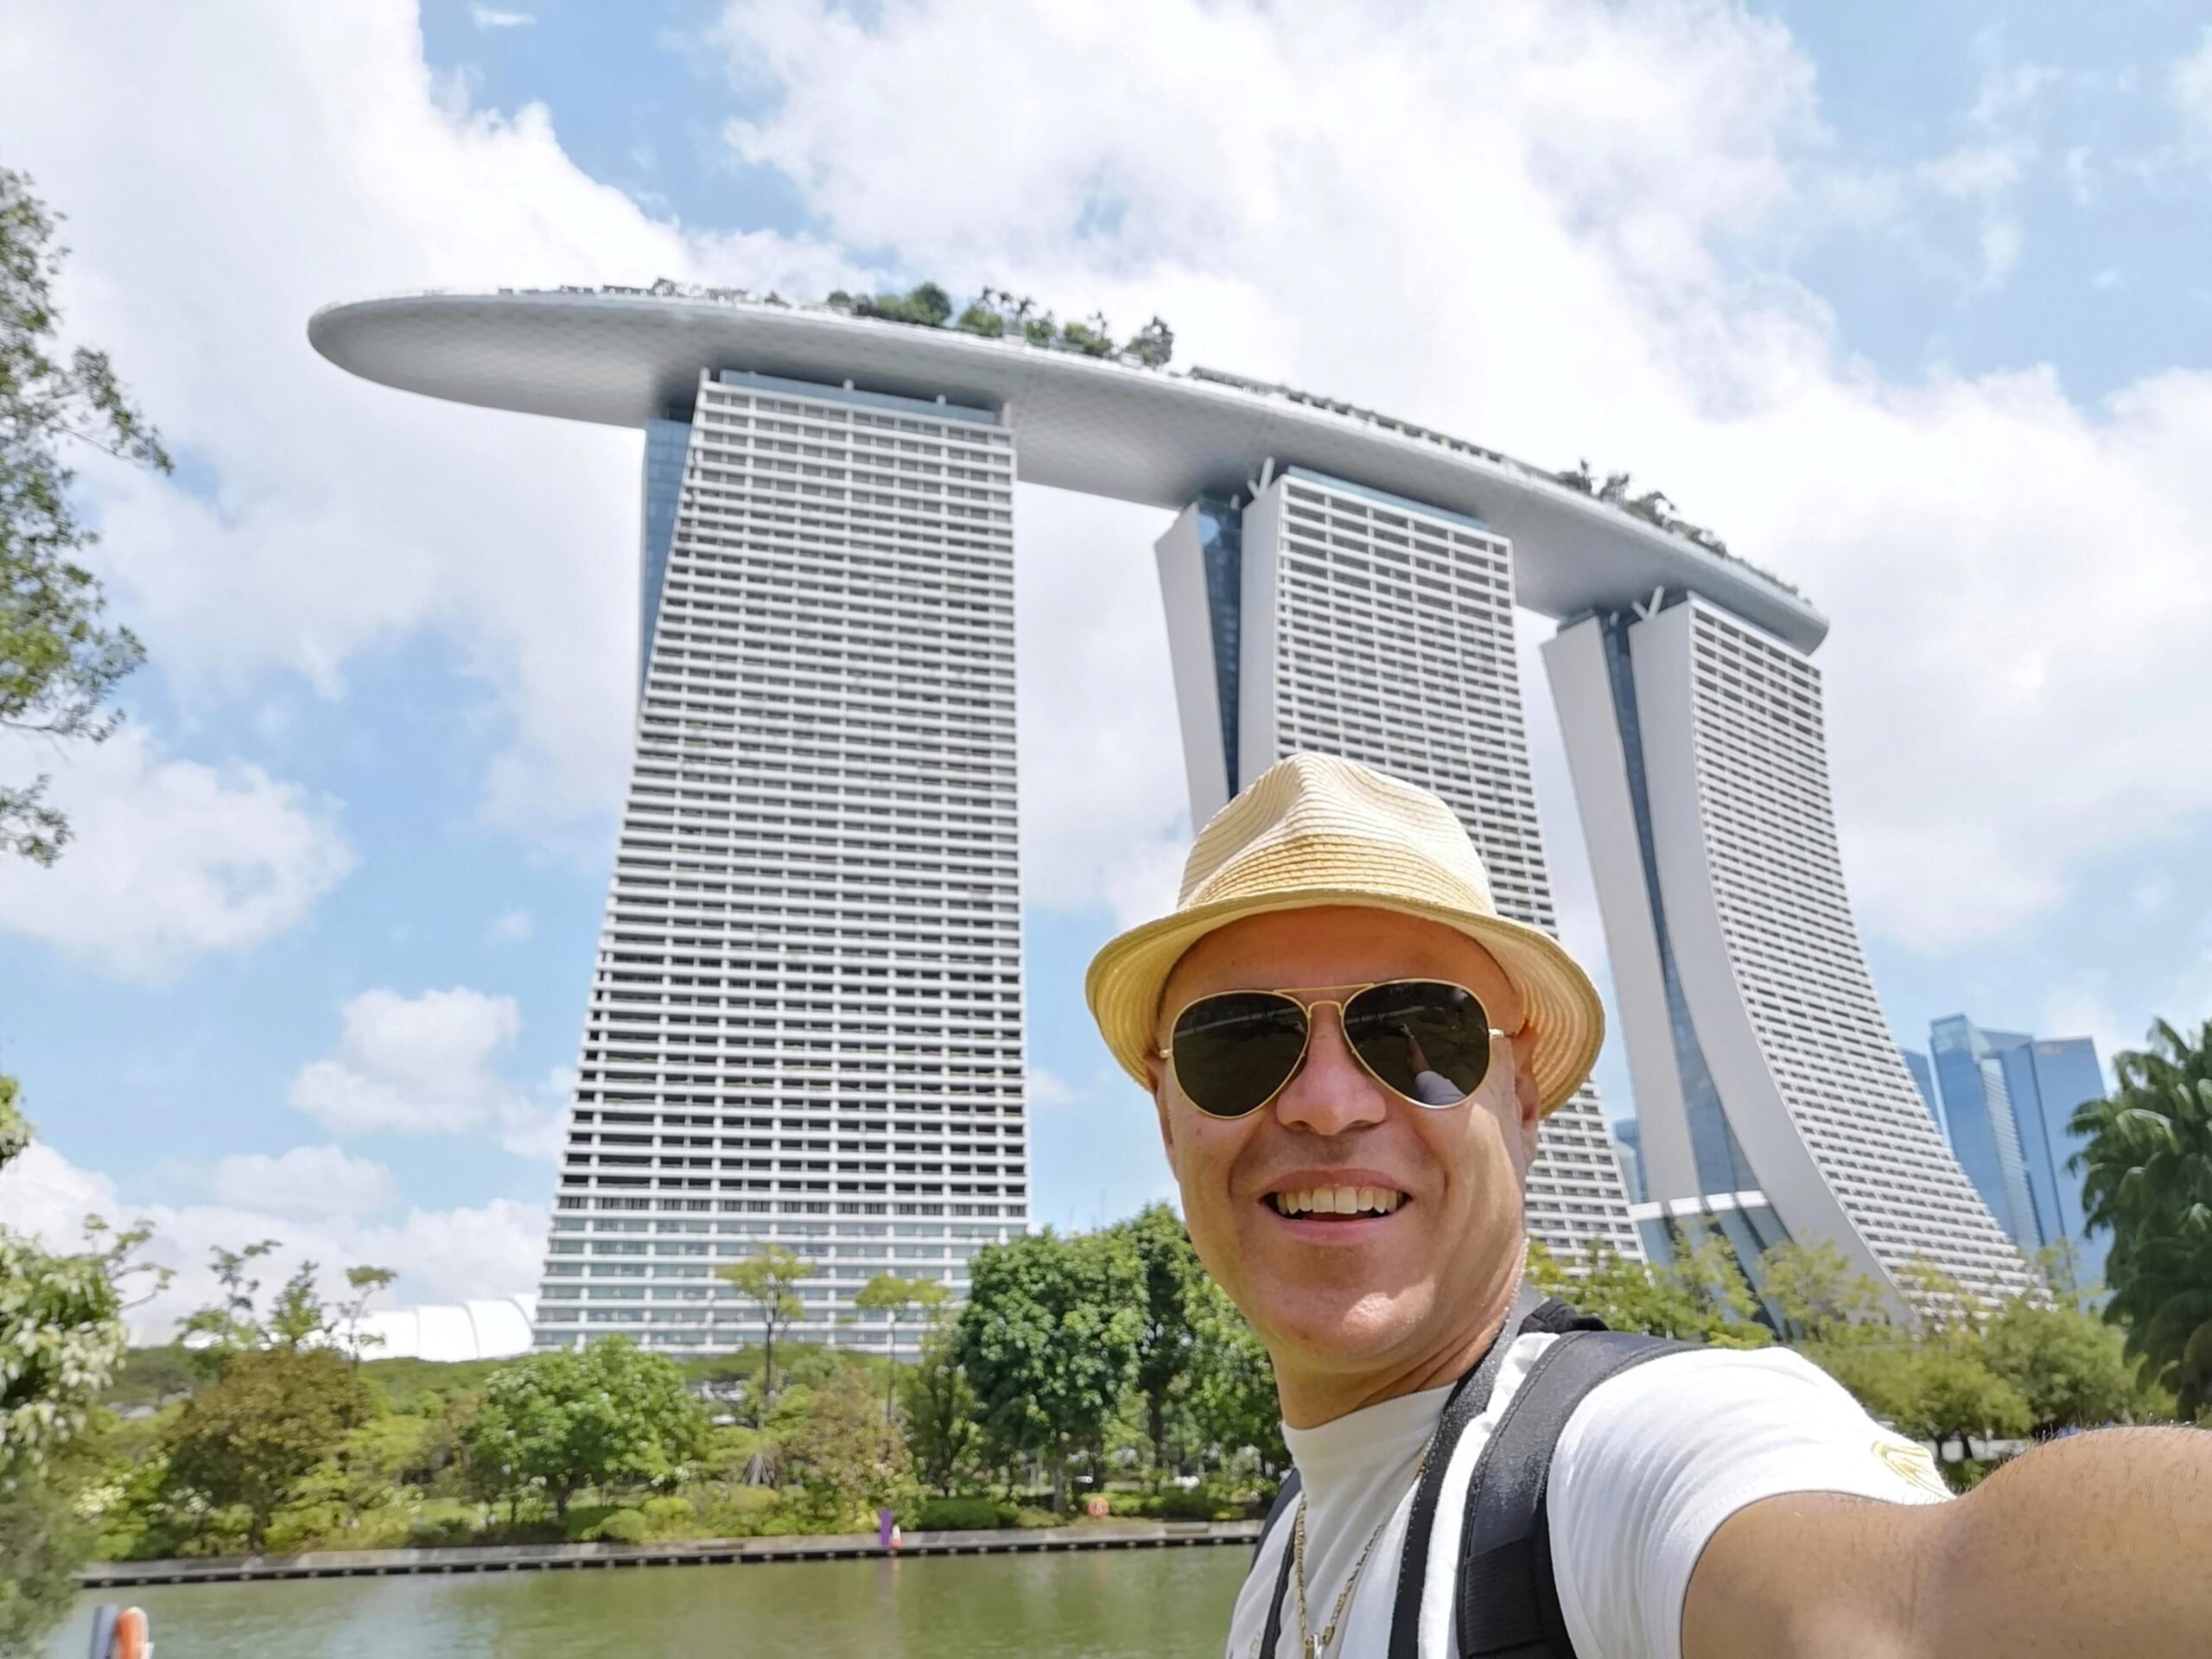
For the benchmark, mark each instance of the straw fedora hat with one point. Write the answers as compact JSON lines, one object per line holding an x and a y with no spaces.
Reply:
{"x":1316,"y":829}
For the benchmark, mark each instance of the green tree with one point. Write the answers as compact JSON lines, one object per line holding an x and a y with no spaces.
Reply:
{"x":926,"y":304}
{"x":769,"y":1278}
{"x":888,"y":1294}
{"x":42,"y":1544}
{"x":1953,"y":1394}
{"x":2146,"y":1178}
{"x":62,"y":1342}
{"x":1049,"y":1340}
{"x":1819,"y":1295}
{"x":1231,"y":1401}
{"x":940,"y":1415}
{"x":298,"y":1317}
{"x":60,"y":659}
{"x":1093,"y":338}
{"x":247,"y":1438}
{"x":364,"y":1282}
{"x":559,"y":1422}
{"x":1167,"y":1345}
{"x":231,"y":1325}
{"x":62,"y":1337}
{"x":2068,"y":1367}
{"x":1700,"y":1296}
{"x":847,"y":1459}
{"x":1154,"y":344}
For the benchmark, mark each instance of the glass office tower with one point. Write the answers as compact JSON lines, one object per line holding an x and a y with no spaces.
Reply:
{"x":806,"y":1012}
{"x":2008,"y":1104}
{"x":1324,"y":616}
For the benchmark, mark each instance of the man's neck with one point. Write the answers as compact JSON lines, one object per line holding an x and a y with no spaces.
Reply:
{"x":1312,"y":1396}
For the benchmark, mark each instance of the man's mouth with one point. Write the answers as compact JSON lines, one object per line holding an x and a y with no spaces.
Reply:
{"x":1330,"y":1202}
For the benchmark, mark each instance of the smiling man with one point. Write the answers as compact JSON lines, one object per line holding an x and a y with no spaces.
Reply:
{"x":1351,"y":1053}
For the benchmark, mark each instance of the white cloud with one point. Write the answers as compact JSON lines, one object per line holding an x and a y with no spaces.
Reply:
{"x":427,"y":1064}
{"x":306,"y":1181}
{"x":510,"y":927}
{"x":2009,"y":91}
{"x":173,"y":860}
{"x":488,"y":1250}
{"x":1567,"y":265}
{"x":2081,"y":175}
{"x":1979,"y":170}
{"x":2106,"y":280}
{"x":491,"y":17}
{"x":2190,"y":82}
{"x":1048,"y":1088}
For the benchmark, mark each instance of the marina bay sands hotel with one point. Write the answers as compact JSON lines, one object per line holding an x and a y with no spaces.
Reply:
{"x":805,"y":1016}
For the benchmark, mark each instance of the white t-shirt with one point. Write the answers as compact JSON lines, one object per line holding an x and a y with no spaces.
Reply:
{"x":1649,"y":1466}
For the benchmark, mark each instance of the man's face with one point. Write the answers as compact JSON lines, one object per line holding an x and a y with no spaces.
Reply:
{"x":1341,"y":1294}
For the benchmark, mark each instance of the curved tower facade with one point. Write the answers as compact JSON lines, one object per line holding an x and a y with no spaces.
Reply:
{"x":1773,"y":1101}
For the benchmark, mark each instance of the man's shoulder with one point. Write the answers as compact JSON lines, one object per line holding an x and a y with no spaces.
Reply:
{"x":1695,"y":1414}
{"x":1657,"y":1459}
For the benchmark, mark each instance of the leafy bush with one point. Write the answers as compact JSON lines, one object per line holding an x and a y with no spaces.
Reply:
{"x":736,"y":1511}
{"x":1028,"y":1519}
{"x":442,"y":1532}
{"x":669,"y":1517}
{"x":963,"y":1515}
{"x":1198,"y":1505}
{"x":1132,"y":1503}
{"x":623,"y":1527}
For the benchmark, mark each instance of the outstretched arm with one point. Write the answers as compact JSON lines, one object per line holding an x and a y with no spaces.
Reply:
{"x":2093,"y":1545}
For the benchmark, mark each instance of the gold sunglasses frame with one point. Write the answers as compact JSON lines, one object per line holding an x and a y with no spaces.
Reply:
{"x":1297,"y":996}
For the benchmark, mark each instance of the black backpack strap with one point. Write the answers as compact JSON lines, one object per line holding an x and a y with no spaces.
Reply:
{"x":1468,"y":1401}
{"x":1285,"y":1495}
{"x":1508,"y":1603}
{"x":1559,"y":1318}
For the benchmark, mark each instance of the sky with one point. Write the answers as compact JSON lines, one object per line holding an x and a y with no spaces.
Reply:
{"x":1908,"y":300}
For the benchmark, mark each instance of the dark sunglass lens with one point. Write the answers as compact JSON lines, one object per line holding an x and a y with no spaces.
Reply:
{"x":1235,"y":1050}
{"x":1428,"y":1040}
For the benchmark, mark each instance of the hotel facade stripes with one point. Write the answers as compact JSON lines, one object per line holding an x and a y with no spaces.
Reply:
{"x":805,"y":1016}
{"x":1772,"y":1099}
{"x":1322,"y":615}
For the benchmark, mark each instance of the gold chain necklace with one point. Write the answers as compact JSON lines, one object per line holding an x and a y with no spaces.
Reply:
{"x":1314,"y":1646}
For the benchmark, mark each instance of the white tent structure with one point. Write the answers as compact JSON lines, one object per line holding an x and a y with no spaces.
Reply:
{"x":492,"y":1328}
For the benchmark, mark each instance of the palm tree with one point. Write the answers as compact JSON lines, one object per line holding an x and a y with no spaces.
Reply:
{"x":2147,"y":1176}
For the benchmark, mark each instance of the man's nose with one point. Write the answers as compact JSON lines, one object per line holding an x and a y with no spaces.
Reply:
{"x":1332,"y":1092}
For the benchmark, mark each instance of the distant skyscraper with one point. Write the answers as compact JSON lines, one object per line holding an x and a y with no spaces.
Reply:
{"x":1923,"y":1078}
{"x":1328,"y":616}
{"x":2007,"y":1100}
{"x":1770,"y":1095}
{"x":1978,"y":1114}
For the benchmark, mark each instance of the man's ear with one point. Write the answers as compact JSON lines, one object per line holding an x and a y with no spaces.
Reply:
{"x":1524,"y":1089}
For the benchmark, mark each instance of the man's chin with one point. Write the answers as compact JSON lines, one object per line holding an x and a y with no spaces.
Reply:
{"x":1351,"y":1332}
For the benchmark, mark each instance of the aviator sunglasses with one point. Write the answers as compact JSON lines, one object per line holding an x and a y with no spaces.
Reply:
{"x":1427,"y":1040}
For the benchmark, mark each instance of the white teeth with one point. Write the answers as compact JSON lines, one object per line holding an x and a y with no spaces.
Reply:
{"x":1339,"y":1201}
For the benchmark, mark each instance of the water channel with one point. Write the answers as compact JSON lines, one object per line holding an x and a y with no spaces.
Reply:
{"x":1085,"y":1604}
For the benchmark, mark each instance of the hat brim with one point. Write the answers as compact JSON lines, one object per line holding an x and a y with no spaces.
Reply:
{"x":1560,"y":1003}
